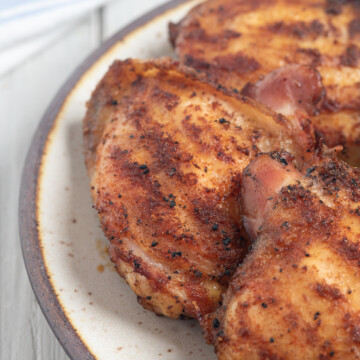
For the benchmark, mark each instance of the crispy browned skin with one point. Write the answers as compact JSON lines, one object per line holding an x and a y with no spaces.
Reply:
{"x":234,"y":42}
{"x":296,"y":296}
{"x":165,"y":153}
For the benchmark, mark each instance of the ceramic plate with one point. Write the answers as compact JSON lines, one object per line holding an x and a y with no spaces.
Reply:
{"x":90,"y":308}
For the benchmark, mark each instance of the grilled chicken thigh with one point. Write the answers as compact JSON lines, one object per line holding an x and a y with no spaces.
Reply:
{"x":165,"y":152}
{"x":233,"y":42}
{"x":296,"y":296}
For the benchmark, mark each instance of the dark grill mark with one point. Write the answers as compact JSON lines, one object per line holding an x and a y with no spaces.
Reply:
{"x":239,"y":63}
{"x":349,"y":250}
{"x":328,"y":292}
{"x":165,"y":97}
{"x":351,"y":56}
{"x":200,"y":35}
{"x":334,"y":7}
{"x":300,"y":29}
{"x":354,"y":27}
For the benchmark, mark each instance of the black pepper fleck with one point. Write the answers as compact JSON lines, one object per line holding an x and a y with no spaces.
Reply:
{"x":226,"y":241}
{"x":216,"y":323}
{"x":316,"y":316}
{"x":223,"y":121}
{"x":176,"y":253}
{"x":310,"y":170}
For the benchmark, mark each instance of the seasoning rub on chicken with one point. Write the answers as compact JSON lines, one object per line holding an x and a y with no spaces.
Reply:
{"x":296,"y":295}
{"x":233,"y":42}
{"x":165,"y":153}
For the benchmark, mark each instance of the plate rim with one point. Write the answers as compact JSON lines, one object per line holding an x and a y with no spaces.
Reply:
{"x":42,"y":288}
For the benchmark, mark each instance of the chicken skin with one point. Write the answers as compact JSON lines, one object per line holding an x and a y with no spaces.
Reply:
{"x":165,"y":153}
{"x":233,"y":42}
{"x":296,"y":295}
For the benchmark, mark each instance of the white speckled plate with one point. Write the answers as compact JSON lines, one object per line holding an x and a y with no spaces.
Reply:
{"x":90,"y":308}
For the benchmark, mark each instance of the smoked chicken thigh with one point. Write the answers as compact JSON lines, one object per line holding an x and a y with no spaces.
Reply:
{"x":296,"y":296}
{"x":165,"y":152}
{"x":233,"y":42}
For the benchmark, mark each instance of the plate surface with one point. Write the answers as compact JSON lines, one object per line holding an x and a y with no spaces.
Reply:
{"x":91,"y":310}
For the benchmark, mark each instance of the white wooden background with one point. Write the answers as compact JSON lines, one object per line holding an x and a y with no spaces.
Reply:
{"x":25,"y":93}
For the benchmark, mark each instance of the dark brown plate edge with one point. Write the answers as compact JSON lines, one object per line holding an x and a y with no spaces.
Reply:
{"x":28,"y":224}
